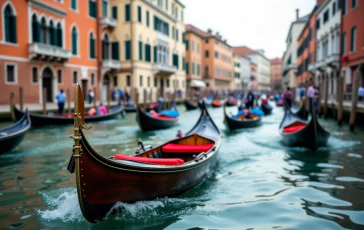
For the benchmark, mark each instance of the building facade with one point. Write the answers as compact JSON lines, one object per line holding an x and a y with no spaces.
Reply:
{"x":253,"y":77}
{"x":352,"y":43}
{"x":245,"y":73}
{"x":152,"y":54}
{"x":262,"y":66}
{"x":217,"y":66}
{"x":237,"y":85}
{"x":52,"y":45}
{"x":276,"y":74}
{"x":290,"y":66}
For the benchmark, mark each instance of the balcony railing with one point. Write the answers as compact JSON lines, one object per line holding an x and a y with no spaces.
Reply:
{"x":333,"y":60}
{"x":48,"y":52}
{"x":162,"y":37}
{"x":108,"y":22}
{"x":311,"y":67}
{"x":164,"y":69}
{"x":111,"y":64}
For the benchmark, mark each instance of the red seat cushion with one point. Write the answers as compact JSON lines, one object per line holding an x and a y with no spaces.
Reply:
{"x":157,"y":161}
{"x":216,"y":103}
{"x":164,"y":117}
{"x":177,"y":148}
{"x":280,"y":102}
{"x":265,"y":101}
{"x":293,"y":128}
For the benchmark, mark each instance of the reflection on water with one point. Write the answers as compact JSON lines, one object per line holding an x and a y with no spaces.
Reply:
{"x":257,"y":183}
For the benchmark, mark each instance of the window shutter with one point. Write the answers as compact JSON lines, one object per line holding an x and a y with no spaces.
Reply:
{"x":155,"y":54}
{"x":60,"y":40}
{"x":127,"y":12}
{"x":92,"y":47}
{"x":187,"y":68}
{"x":147,"y":53}
{"x":115,"y":50}
{"x":140,"y":51}
{"x":115,"y":12}
{"x":74,"y":43}
{"x":127,"y":50}
{"x":139,"y":14}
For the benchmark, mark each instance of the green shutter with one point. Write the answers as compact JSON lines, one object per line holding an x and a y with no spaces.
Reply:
{"x":55,"y":34}
{"x":155,"y":54}
{"x":176,"y":35}
{"x":74,"y":43}
{"x":115,"y":50}
{"x":147,"y":16}
{"x":127,"y":50}
{"x":104,"y":8}
{"x":183,"y":63}
{"x":173,"y":32}
{"x":140,"y":51}
{"x":13,"y":28}
{"x":127,"y":12}
{"x":73,"y":4}
{"x":60,"y":38}
{"x":92,"y":47}
{"x":139,"y":14}
{"x":187,"y":68}
{"x":103,"y":45}
{"x":147,"y":53}
{"x":187,"y":44}
{"x":193,"y":68}
{"x":115,"y":12}
{"x":198,"y":70}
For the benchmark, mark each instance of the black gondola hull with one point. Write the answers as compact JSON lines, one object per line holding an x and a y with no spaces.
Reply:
{"x":234,"y":124}
{"x":148,"y":123}
{"x":191,"y":106}
{"x":43,"y":120}
{"x":267,"y":109}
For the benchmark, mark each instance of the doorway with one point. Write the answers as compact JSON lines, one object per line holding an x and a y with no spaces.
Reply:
{"x":162,"y":87}
{"x":47,"y":78}
{"x":105,"y":88}
{"x":84,"y":88}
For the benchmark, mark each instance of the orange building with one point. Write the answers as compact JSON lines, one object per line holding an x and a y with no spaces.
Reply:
{"x":276,"y":73}
{"x":215,"y":56}
{"x":53,"y":45}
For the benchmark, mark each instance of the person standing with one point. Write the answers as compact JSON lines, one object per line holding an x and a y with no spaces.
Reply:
{"x":91,"y":96}
{"x":250,"y":98}
{"x":120,"y":92}
{"x":287,"y":96}
{"x":113,"y":94}
{"x":61,"y":98}
{"x":311,"y":94}
{"x":361,"y":93}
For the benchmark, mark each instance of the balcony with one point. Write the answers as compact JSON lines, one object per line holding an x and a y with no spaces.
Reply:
{"x":163,"y":38}
{"x":111,"y":64}
{"x":333,"y":61}
{"x":311,"y":67}
{"x":41,"y":51}
{"x":164,"y":69}
{"x":108,"y":22}
{"x":320,"y":65}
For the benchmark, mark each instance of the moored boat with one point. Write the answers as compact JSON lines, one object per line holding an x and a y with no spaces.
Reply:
{"x":279,"y":103}
{"x":12,"y":136}
{"x":191,"y":105}
{"x":231,"y":102}
{"x":300,"y":133}
{"x":266,"y":107}
{"x":166,"y":170}
{"x":216,"y":104}
{"x":240,"y":122}
{"x":55,"y":119}
{"x":300,"y":111}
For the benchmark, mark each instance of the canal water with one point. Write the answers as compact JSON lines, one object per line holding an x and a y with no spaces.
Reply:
{"x":257,"y":183}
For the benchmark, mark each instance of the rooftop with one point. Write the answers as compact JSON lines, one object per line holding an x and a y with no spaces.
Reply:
{"x":276,"y":61}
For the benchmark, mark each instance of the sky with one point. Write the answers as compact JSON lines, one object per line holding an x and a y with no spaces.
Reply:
{"x":258,"y":24}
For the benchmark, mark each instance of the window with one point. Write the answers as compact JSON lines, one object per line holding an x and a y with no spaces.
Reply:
{"x":74,"y":4}
{"x":182,"y":15}
{"x":187,"y":44}
{"x":353,"y":39}
{"x":139,"y":14}
{"x":115,"y":81}
{"x":326,"y":16}
{"x":43,"y":31}
{"x":148,"y":81}
{"x":216,"y":54}
{"x":207,"y":53}
{"x":52,"y":34}
{"x":167,"y":83}
{"x":198,"y":48}
{"x":173,"y":32}
{"x":175,"y":60}
{"x":127,"y":12}
{"x":128,"y":80}
{"x":193,"y":68}
{"x":193,"y":46}
{"x":344,"y":7}
{"x":92,"y":46}
{"x":155,"y":82}
{"x":92,"y":8}
{"x":59,"y":35}
{"x":140,"y":81}
{"x":9,"y":24}
{"x":127,"y":50}
{"x":207,"y":41}
{"x":147,"y":18}
{"x":354,"y":3}
{"x":35,"y":29}
{"x":183,"y":63}
{"x":176,"y":35}
{"x":334,"y":8}
{"x":148,"y":53}
{"x":11,"y":77}
{"x":92,"y":79}
{"x":140,"y":51}
{"x":75,"y":77}
{"x":166,"y":4}
{"x":155,"y":54}
{"x":115,"y":12}
{"x":74,"y":41}
{"x":187,"y":68}
{"x":105,"y":6}
{"x":35,"y":75}
{"x":115,"y":50}
{"x":198,"y":69}
{"x":343,"y":44}
{"x":317,"y":23}
{"x":105,"y":47}
{"x":172,"y":8}
{"x":161,"y":26}
{"x":59,"y":76}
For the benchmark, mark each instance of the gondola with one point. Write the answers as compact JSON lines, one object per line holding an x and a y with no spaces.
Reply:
{"x":216,"y":104}
{"x":191,"y":105}
{"x":149,"y":123}
{"x":300,"y":133}
{"x":42,"y":120}
{"x":11,"y":136}
{"x":230,"y":103}
{"x":233,"y":123}
{"x":279,"y":103}
{"x":266,"y":107}
{"x":300,"y":111}
{"x":167,"y":170}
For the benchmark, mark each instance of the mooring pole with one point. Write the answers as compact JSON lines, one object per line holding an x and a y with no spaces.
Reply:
{"x":354,"y":99}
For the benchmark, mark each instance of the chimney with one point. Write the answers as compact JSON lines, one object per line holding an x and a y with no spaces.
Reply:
{"x":297,"y":14}
{"x":209,"y":31}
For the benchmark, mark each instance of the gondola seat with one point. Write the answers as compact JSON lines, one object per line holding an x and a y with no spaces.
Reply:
{"x":178,"y":148}
{"x":157,"y":161}
{"x":293,"y":128}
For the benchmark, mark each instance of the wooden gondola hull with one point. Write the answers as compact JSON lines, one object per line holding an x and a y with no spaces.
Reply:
{"x":11,"y":142}
{"x":230,"y":103}
{"x":190,"y":106}
{"x":267,"y":109}
{"x":233,"y":124}
{"x":130,"y":185}
{"x":148,"y":123}
{"x":42,"y":120}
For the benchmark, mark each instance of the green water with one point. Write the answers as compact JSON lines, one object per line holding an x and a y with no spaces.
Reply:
{"x":257,"y":183}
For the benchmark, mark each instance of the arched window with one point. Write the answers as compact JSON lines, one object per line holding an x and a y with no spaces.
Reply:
{"x":43,"y":31}
{"x":92,"y":45}
{"x":105,"y":47}
{"x":9,"y":24}
{"x":74,"y":41}
{"x":59,"y":35}
{"x":52,"y":33}
{"x":35,"y":29}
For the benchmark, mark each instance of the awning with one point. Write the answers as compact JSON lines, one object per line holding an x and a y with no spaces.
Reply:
{"x":198,"y":83}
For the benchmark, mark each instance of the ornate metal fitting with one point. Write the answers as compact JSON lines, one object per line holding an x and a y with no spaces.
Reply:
{"x":79,"y":123}
{"x":76,"y":137}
